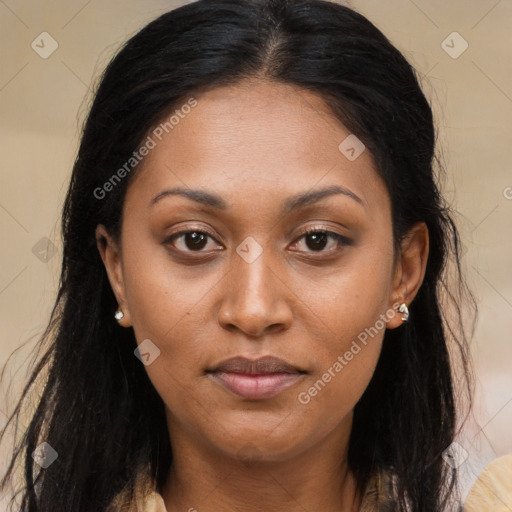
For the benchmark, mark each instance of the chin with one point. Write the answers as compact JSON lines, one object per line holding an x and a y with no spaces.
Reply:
{"x":262,"y":445}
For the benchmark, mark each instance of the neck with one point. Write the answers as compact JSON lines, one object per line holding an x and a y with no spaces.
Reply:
{"x":201,"y":478}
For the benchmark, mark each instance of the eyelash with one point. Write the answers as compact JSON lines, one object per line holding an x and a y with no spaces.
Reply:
{"x":330,"y":234}
{"x":310,"y":231}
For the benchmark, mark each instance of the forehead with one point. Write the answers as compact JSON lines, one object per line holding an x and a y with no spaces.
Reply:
{"x":253,"y":137}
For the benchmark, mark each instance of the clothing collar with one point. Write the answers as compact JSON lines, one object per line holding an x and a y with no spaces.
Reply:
{"x":377,"y":497}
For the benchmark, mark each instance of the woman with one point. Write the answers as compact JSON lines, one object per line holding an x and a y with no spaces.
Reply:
{"x":253,"y":307}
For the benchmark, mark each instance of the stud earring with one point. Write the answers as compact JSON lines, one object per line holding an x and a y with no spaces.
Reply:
{"x":403,"y":309}
{"x":119,"y":315}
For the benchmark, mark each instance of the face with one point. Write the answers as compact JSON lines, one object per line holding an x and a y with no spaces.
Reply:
{"x":282,"y":248}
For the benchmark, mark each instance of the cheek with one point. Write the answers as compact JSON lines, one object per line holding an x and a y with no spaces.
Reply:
{"x":349,"y":320}
{"x":348,"y":301}
{"x":167,"y":306}
{"x":336,"y":388}
{"x":345,"y":355}
{"x":166,"y":300}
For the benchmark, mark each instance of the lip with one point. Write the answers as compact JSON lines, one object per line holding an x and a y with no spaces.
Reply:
{"x":256,"y":387}
{"x":261,"y":366}
{"x":255,"y":379}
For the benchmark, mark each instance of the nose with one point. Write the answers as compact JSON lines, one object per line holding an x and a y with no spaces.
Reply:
{"x":256,"y":300}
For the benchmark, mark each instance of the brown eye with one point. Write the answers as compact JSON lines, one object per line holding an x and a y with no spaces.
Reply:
{"x":316,"y":240}
{"x":191,"y":241}
{"x":195,"y":240}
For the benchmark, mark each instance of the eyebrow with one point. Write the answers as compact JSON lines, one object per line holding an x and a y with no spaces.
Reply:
{"x":292,"y":203}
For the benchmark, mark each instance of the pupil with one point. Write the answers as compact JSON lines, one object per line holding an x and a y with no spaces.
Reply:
{"x":196,"y":240}
{"x":319,"y":241}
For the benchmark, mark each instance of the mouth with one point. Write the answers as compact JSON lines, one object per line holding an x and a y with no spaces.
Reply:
{"x":255,"y":379}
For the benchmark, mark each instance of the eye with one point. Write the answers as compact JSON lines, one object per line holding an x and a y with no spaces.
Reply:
{"x":192,"y":240}
{"x":317,"y":240}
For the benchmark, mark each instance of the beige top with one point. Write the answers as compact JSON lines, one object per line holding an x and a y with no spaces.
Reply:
{"x":492,"y":492}
{"x":377,"y":497}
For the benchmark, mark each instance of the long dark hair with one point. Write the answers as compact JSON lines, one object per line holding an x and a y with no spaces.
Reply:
{"x":98,"y":408}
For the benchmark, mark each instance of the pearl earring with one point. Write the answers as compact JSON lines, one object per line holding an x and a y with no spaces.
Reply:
{"x":119,"y":315}
{"x":403,"y":309}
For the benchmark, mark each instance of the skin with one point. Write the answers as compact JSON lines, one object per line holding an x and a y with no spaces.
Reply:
{"x":256,"y":144}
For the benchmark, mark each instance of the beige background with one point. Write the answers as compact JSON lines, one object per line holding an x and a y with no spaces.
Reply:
{"x":44,"y":101}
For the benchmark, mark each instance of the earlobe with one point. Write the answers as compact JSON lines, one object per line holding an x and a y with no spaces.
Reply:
{"x":122,"y":318}
{"x":409,"y":273}
{"x":111,"y":257}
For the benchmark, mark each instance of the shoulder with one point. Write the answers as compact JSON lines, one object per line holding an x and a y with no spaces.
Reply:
{"x":154,"y":503}
{"x":143,"y":502}
{"x":139,"y":496}
{"x":492,"y":490}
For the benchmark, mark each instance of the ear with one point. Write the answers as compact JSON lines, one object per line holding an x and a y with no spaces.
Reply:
{"x":409,"y":270}
{"x":111,"y":255}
